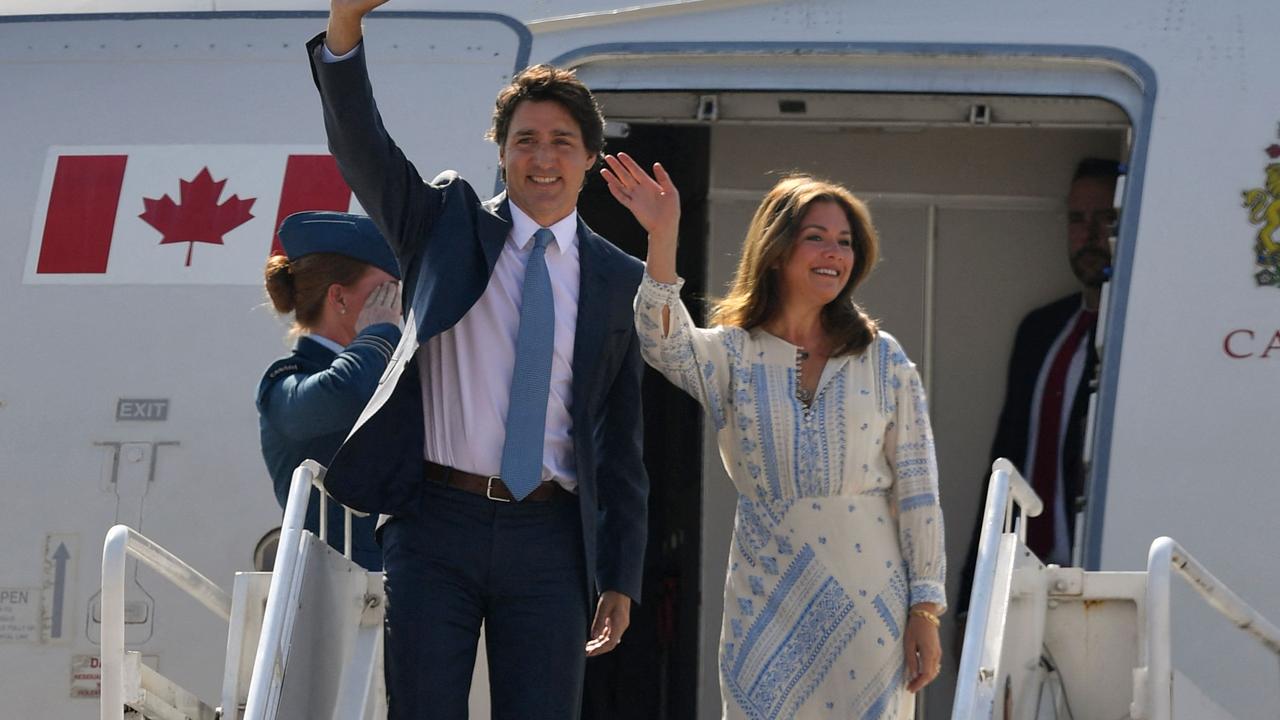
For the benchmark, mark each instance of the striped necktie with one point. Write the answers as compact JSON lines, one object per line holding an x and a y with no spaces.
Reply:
{"x":531,"y":379}
{"x":1046,"y":466}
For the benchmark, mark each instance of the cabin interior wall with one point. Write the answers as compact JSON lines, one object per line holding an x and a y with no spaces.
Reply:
{"x":998,"y":251}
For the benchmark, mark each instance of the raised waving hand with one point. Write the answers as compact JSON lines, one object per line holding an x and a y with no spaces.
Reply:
{"x":654,"y":202}
{"x":344,"y":31}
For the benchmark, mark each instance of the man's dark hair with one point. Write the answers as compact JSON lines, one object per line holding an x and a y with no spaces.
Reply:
{"x":545,"y":82}
{"x":1097,"y":168}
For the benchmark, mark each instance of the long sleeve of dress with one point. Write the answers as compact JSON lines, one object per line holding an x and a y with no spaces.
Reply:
{"x":693,"y":359}
{"x":909,"y":450}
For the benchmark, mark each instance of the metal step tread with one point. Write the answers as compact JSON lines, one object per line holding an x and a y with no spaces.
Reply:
{"x":152,"y":696}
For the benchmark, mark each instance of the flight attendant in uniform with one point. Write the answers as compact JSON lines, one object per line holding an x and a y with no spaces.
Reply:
{"x":340,"y":280}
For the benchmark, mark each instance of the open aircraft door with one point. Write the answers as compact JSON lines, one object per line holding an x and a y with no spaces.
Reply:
{"x":149,"y":159}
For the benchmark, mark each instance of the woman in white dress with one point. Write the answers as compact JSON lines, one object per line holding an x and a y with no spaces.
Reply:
{"x":836,"y":568}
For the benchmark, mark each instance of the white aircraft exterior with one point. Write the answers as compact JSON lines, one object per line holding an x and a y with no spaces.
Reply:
{"x":126,"y":392}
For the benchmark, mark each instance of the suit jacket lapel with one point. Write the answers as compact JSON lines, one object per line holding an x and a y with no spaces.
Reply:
{"x":593,"y":308}
{"x":494,"y":226}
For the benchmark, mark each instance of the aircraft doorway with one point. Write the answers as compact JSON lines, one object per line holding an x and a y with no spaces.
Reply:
{"x":968,"y":193}
{"x":653,"y":675}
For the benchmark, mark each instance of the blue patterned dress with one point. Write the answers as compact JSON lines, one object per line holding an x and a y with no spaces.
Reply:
{"x":838,"y":530}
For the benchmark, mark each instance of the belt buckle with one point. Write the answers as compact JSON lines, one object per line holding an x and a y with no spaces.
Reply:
{"x":488,"y":491}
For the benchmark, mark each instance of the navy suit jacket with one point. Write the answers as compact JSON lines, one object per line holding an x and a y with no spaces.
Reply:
{"x":448,"y":242}
{"x":1031,"y":346}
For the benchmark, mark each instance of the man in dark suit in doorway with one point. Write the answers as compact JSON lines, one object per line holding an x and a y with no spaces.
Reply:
{"x":504,"y":439}
{"x":1042,"y":422}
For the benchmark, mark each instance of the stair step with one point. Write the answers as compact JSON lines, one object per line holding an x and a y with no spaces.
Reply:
{"x":153,"y":696}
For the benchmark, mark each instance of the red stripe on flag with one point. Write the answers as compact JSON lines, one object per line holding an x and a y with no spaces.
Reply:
{"x":311,"y":182}
{"x":82,"y":214}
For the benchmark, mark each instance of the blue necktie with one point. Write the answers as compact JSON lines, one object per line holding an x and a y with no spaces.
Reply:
{"x":531,"y":380}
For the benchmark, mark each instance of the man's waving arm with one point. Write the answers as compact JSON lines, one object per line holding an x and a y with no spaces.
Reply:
{"x":345,"y":18}
{"x":383,"y":180}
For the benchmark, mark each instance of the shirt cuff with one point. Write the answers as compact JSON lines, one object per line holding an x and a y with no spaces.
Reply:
{"x":326,"y":55}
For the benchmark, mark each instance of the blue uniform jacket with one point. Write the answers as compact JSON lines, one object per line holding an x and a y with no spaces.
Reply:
{"x":448,"y":242}
{"x":307,"y":403}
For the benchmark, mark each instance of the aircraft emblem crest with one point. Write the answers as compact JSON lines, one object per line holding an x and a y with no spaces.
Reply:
{"x":1263,"y":204}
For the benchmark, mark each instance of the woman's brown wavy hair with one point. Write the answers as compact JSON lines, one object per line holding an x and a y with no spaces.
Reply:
{"x":753,"y":298}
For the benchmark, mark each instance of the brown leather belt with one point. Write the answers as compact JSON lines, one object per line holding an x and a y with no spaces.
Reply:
{"x":489,"y":486}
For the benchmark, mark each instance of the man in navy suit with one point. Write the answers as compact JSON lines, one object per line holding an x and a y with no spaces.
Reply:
{"x":1042,"y":422}
{"x":518,"y":325}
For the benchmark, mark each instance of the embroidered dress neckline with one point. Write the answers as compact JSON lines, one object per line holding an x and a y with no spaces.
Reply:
{"x":803,"y":394}
{"x":829,"y":369}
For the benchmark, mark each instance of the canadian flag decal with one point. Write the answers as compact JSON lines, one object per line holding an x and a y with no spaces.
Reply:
{"x":135,"y":215}
{"x":199,"y":217}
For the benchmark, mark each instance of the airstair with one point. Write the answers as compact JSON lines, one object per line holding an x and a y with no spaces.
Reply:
{"x":1054,"y":643}
{"x":304,"y":641}
{"x":1042,"y":642}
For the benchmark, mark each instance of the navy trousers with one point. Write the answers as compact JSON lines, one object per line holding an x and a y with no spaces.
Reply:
{"x":516,"y":567}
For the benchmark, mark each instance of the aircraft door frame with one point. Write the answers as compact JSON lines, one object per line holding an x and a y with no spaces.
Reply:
{"x":1108,"y":73}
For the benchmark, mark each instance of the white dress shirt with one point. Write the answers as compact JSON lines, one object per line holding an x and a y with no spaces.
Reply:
{"x":466,"y":370}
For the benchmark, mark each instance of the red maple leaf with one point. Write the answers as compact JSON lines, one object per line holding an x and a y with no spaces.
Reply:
{"x":199,"y":217}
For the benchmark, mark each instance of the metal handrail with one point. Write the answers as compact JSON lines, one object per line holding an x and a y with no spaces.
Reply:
{"x":1165,"y":556}
{"x":317,"y":481}
{"x":1006,"y":489}
{"x":268,"y":665}
{"x":123,"y":541}
{"x":267,"y":668}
